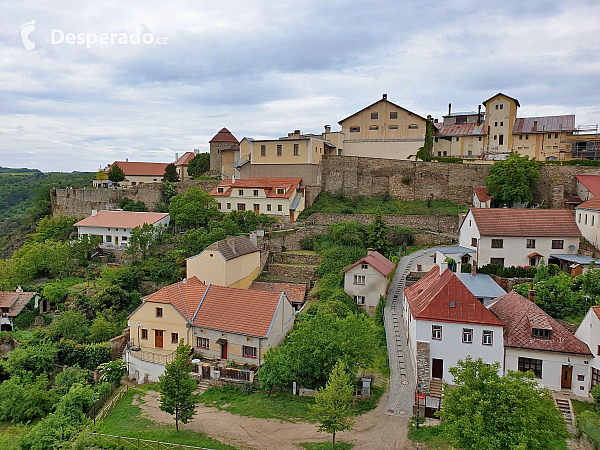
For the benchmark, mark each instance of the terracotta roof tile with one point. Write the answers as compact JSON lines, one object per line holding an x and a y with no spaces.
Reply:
{"x":593,"y":204}
{"x":185,"y":159}
{"x":482,"y":194}
{"x":121,"y":219}
{"x":430,"y":299}
{"x":378,"y":261}
{"x":295,"y":292}
{"x":15,"y":301}
{"x":591,"y":183}
{"x":521,"y":315}
{"x":270,"y":186}
{"x":224,"y":136}
{"x":141,"y":168}
{"x":525,"y":222}
{"x":233,"y":247}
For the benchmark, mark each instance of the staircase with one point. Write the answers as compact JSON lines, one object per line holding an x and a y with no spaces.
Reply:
{"x":435,"y":388}
{"x":203,"y":385}
{"x":564,"y":406}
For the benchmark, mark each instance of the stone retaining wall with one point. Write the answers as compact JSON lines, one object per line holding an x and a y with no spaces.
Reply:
{"x":308,"y":273}
{"x":447,"y":224}
{"x":423,"y":365}
{"x":296,"y":258}
{"x":508,"y":284}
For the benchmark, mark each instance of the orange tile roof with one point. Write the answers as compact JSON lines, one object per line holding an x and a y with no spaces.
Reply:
{"x":141,"y":168}
{"x":378,"y":261}
{"x":15,"y":301}
{"x":593,"y":204}
{"x":185,"y":159}
{"x":295,"y":292}
{"x":591,"y":183}
{"x":224,"y":136}
{"x":482,"y":194}
{"x":525,"y":222}
{"x":121,"y":219}
{"x":430,"y":297}
{"x":521,"y":315}
{"x":270,"y":186}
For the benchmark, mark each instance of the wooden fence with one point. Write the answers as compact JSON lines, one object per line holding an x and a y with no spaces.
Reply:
{"x":125,"y":443}
{"x":111,"y":405}
{"x":93,"y":412}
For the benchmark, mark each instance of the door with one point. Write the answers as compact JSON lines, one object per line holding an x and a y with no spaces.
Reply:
{"x":501,"y":139}
{"x":158,"y":338}
{"x":224,"y":351}
{"x":256,"y":208}
{"x":437,"y":368}
{"x":567,"y":374}
{"x":116,"y":241}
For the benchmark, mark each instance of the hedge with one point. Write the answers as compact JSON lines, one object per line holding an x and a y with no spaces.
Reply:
{"x":87,"y":356}
{"x":508,"y":272}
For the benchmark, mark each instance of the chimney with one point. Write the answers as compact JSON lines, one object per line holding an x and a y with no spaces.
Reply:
{"x":253,"y":236}
{"x":185,"y":281}
{"x":478,"y":114}
{"x":443,"y":267}
{"x":327,"y":128}
{"x":534,"y":126}
{"x":370,"y":251}
{"x":385,"y":96}
{"x":435,"y":121}
{"x":458,"y":267}
{"x":531,"y":295}
{"x":449,"y":108}
{"x":232,"y":179}
{"x":196,"y":151}
{"x":126,"y":159}
{"x":19,"y":289}
{"x":428,"y":116}
{"x":231,"y":242}
{"x":94,"y":212}
{"x":176,"y":157}
{"x":474,"y":268}
{"x":297,"y":132}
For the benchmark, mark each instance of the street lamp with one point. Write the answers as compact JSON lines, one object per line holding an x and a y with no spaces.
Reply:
{"x":419,"y":390}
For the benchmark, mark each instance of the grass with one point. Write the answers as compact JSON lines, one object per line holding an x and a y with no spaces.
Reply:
{"x":126,"y":420}
{"x":587,"y":416}
{"x":325,"y":445}
{"x":330,"y":203}
{"x":414,"y":248}
{"x":282,"y":405}
{"x":11,"y":434}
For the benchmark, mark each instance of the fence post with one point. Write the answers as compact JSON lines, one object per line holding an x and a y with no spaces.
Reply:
{"x":138,"y":443}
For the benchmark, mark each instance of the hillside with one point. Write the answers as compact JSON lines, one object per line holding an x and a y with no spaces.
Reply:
{"x":25,"y":198}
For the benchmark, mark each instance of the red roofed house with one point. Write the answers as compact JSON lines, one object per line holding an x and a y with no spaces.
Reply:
{"x":481,"y":198}
{"x":295,"y":292}
{"x":367,"y":280}
{"x":182,"y":163}
{"x":461,"y":134}
{"x":534,"y":341}
{"x":11,"y":304}
{"x":221,"y":323}
{"x":518,"y":237}
{"x":587,"y":216}
{"x":136,"y":173}
{"x":282,"y":198}
{"x":589,"y":332}
{"x":445,"y":323}
{"x":113,"y":228}
{"x":588,"y":186}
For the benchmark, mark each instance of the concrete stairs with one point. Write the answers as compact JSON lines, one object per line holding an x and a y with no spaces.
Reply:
{"x":203,"y":385}
{"x":435,"y":388}
{"x":564,"y":406}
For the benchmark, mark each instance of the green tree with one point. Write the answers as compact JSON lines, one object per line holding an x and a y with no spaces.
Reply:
{"x":193,"y":209}
{"x":171,"y":173}
{"x":177,"y":387}
{"x":488,"y":411}
{"x":116,"y":174}
{"x":126,"y":204}
{"x":168,"y":191}
{"x":32,"y":358}
{"x":112,"y":371}
{"x":142,"y":238}
{"x":377,"y":234}
{"x":199,"y":164}
{"x":70,"y":324}
{"x":102,"y":330}
{"x":512,"y":179}
{"x":332,"y":403}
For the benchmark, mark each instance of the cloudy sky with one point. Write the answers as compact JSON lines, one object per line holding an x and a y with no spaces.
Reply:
{"x":264,"y":68}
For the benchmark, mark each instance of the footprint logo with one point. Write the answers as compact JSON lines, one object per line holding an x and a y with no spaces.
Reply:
{"x":26,"y":29}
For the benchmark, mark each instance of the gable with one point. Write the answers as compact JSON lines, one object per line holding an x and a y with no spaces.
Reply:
{"x":378,"y":106}
{"x":146,"y":312}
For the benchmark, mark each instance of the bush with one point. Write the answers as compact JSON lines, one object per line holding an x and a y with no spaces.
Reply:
{"x":508,"y":272}
{"x":112,"y":371}
{"x":307,"y":243}
{"x":596,"y":393}
{"x":88,"y":356}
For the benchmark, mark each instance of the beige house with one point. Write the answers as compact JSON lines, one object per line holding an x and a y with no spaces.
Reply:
{"x":223,"y":148}
{"x":366,"y":280}
{"x":219,"y":322}
{"x":383,"y":130}
{"x":136,"y":173}
{"x":282,"y":198}
{"x":11,"y":305}
{"x":233,"y":262}
{"x":182,"y":163}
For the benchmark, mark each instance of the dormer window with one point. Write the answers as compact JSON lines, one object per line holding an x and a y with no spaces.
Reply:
{"x":541,"y":333}
{"x":280,"y":191}
{"x":364,"y":266}
{"x":220,"y":190}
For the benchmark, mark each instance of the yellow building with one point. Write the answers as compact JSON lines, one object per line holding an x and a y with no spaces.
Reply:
{"x":136,"y":173}
{"x":282,"y":198}
{"x":500,"y":116}
{"x":383,"y":130}
{"x":233,"y":262}
{"x":182,"y":163}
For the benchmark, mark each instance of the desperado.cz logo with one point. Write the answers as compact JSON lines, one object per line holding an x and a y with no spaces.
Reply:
{"x":58,"y":36}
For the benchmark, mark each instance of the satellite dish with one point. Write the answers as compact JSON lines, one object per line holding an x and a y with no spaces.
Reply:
{"x":571,"y":248}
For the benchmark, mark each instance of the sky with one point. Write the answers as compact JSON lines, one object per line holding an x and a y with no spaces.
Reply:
{"x":265,"y":68}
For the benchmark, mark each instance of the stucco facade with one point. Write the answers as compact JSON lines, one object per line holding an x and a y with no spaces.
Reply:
{"x":589,"y":332}
{"x":588,"y":222}
{"x":366,"y":294}
{"x":210,"y":266}
{"x":500,"y":115}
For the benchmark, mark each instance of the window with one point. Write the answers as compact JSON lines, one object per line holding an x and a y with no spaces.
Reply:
{"x":461,"y":120}
{"x":495,"y":137}
{"x":124,"y":238}
{"x":580,"y":377}
{"x":240,"y":192}
{"x":108,"y":238}
{"x":501,"y":106}
{"x":439,"y":153}
{"x":241,"y":207}
{"x":269,"y":207}
{"x":436,"y":332}
{"x":579,"y":218}
{"x":558,"y":243}
{"x":393,"y":127}
{"x":520,"y":137}
{"x":473,"y":242}
{"x":526,"y":136}
{"x":480,"y":138}
{"x":144,"y":333}
{"x":497,"y":261}
{"x":488,"y":337}
{"x":501,"y":124}
{"x":279,"y":150}
{"x":364,"y":266}
{"x":359,"y":299}
{"x":585,"y":220}
{"x":256,"y":208}
{"x":219,"y":205}
{"x":174,"y":338}
{"x":359,"y":279}
{"x":496,"y":106}
{"x":593,"y":217}
{"x":354,"y":129}
{"x":555,"y":135}
{"x":159,"y":312}
{"x":228,"y":205}
{"x":255,"y":192}
{"x":374,"y":116}
{"x":550,"y":136}
{"x":467,"y":336}
{"x":527,"y":364}
{"x":393,"y":115}
{"x":595,"y":377}
{"x":530,"y":243}
{"x":541,"y":333}
{"x":495,"y":124}
{"x":248,"y":352}
{"x":202,"y":342}
{"x":470,"y":153}
{"x":373,"y":127}
{"x":296,"y":149}
{"x":263,"y":150}
{"x":457,"y":139}
{"x":280,"y":191}
{"x":497,"y":243}
{"x":280,"y":208}
{"x":413,"y":127}
{"x":445,"y":153}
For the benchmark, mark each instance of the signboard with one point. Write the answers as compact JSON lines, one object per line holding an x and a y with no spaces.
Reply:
{"x":420,"y":396}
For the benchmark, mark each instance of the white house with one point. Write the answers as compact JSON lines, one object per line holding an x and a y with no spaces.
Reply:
{"x":535,"y":341}
{"x":587,"y":216}
{"x":518,"y":237}
{"x":589,"y":332}
{"x":446,"y":323}
{"x":366,"y":280}
{"x":11,"y":304}
{"x":480,"y":285}
{"x":588,"y":186}
{"x":462,"y":255}
{"x":113,"y":228}
{"x":481,"y":198}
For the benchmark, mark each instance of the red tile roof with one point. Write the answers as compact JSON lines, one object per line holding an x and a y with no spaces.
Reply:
{"x":544,"y":124}
{"x":378,"y":261}
{"x":430,"y":297}
{"x":222,"y":308}
{"x":270,"y":186}
{"x":233,"y":247}
{"x":224,"y":136}
{"x":141,"y":168}
{"x":462,"y":129}
{"x":521,"y":315}
{"x":525,"y":222}
{"x":482,"y":194}
{"x":593,"y":204}
{"x":15,"y":301}
{"x":121,"y":219}
{"x":596,"y":309}
{"x":591,"y":183}
{"x":185,"y":159}
{"x":295,"y":292}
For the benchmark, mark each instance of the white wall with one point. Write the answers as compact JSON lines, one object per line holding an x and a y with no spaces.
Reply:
{"x":138,"y":369}
{"x":587,"y":221}
{"x":116,"y":231}
{"x":480,"y":204}
{"x":583,"y":192}
{"x":374,"y":287}
{"x":589,"y":332}
{"x":469,"y":230}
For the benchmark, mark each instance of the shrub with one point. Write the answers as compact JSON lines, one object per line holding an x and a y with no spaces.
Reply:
{"x":596,"y":393}
{"x":112,"y":371}
{"x":307,"y":243}
{"x":406,"y":180}
{"x":88,"y":356}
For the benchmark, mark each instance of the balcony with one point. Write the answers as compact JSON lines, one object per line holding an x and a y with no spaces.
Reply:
{"x":240,"y":162}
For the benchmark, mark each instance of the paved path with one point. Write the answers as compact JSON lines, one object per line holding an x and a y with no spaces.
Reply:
{"x":402,"y":374}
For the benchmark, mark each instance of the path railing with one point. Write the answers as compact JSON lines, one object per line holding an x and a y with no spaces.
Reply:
{"x":111,"y":405}
{"x":93,"y":412}
{"x":122,"y":442}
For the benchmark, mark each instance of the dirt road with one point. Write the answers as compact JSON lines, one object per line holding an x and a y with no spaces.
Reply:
{"x":373,"y":430}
